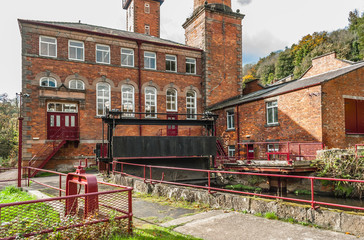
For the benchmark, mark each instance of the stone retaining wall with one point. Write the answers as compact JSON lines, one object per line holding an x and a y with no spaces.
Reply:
{"x":332,"y":219}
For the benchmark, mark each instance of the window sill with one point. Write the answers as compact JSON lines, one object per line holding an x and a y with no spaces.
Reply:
{"x":272,"y":125}
{"x":230,"y":130}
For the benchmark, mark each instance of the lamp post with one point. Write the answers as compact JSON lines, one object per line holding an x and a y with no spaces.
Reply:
{"x":20,"y":144}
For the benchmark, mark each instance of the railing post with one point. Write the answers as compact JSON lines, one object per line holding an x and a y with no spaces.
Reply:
{"x":145,"y":177}
{"x":312,"y":194}
{"x":209,"y":180}
{"x":150,"y":174}
{"x":130,"y":202}
{"x":60,"y":185}
{"x":28,"y":176}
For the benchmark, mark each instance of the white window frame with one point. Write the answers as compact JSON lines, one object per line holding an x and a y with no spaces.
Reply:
{"x":190,"y":61}
{"x":77,"y":82}
{"x":48,"y":80}
{"x":231,"y":151}
{"x":125,"y":106}
{"x":191,"y":105}
{"x":48,"y":46}
{"x":230,"y":120}
{"x":149,"y":99}
{"x":103,"y":98}
{"x":69,"y":50}
{"x":272,"y":106}
{"x":128,"y":56}
{"x":63,"y":107}
{"x":172,"y":99}
{"x":146,"y":8}
{"x":149,"y":60}
{"x":103,"y":53}
{"x":171,"y":61}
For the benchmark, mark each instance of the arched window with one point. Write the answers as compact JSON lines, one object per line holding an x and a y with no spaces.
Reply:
{"x":127,"y":99}
{"x":48,"y":82}
{"x":150,"y":102}
{"x":102,"y":98}
{"x":171,"y":100}
{"x":77,"y":84}
{"x":191,"y":105}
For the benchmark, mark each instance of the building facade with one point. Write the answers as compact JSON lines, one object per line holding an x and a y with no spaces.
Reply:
{"x":72,"y":72}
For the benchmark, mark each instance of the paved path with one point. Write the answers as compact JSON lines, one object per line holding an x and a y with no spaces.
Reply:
{"x":218,"y":224}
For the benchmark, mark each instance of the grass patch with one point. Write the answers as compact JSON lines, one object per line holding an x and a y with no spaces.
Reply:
{"x":302,"y":192}
{"x":271,"y":215}
{"x":241,"y":187}
{"x":151,"y":232}
{"x":13,"y":194}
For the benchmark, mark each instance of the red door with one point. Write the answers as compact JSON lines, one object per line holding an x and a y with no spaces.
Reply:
{"x":172,"y":130}
{"x":62,"y":126}
{"x":250,"y":151}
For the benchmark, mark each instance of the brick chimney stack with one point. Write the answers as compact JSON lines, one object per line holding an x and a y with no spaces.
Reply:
{"x":199,"y":3}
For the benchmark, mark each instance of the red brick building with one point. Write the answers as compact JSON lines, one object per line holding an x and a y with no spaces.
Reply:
{"x":73,"y":71}
{"x":325,"y":105}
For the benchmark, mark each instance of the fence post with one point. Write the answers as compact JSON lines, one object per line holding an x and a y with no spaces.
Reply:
{"x":130,"y":212}
{"x":60,"y":185}
{"x":312,"y":194}
{"x":28,"y":176}
{"x":209,"y":180}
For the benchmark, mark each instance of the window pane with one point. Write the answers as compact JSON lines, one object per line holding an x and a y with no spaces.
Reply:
{"x":58,"y":121}
{"x":66,"y":121}
{"x":73,"y":121}
{"x":52,"y":121}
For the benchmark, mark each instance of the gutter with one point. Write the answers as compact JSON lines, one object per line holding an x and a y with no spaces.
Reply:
{"x":139,"y":43}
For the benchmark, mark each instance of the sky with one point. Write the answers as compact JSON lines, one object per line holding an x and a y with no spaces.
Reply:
{"x":269,"y":25}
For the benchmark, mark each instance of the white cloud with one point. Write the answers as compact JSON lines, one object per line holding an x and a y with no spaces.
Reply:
{"x":244,"y":2}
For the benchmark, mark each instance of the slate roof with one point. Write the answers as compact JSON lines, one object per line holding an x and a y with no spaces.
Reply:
{"x":109,"y":31}
{"x":287,"y":87}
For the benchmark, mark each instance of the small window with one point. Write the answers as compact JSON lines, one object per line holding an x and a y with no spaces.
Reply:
{"x":47,"y":46}
{"x":354,"y":116}
{"x":62,"y":107}
{"x":231,"y":151}
{"x":127,"y":57}
{"x":102,"y":98}
{"x":151,"y":102}
{"x":191,"y":105}
{"x":230,"y":120}
{"x":191,"y":65}
{"x":146,"y":8}
{"x":77,"y":84}
{"x":149,"y":60}
{"x":272,"y":112}
{"x":48,"y":82}
{"x":147,"y":29}
{"x":273,"y":148}
{"x":75,"y":50}
{"x":171,"y":100}
{"x":102,"y":54}
{"x":127,"y":99}
{"x":171,"y":63}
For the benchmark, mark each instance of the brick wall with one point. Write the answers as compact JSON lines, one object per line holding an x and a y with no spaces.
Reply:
{"x":335,"y":91}
{"x":325,"y":63}
{"x":152,"y":18}
{"x":91,"y":73}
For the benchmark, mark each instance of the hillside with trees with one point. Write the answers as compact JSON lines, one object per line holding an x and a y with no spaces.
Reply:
{"x":348,"y":44}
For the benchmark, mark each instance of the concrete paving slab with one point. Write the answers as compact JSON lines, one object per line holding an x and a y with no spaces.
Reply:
{"x":233,"y":225}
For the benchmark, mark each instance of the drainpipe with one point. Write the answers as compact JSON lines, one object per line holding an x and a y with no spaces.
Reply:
{"x":140,"y":84}
{"x":238,"y":128}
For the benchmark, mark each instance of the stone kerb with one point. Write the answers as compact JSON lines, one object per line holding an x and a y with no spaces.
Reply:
{"x":331,"y":219}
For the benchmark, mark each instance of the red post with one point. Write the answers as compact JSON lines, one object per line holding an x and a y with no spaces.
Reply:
{"x":209,"y":180}
{"x":20,"y":146}
{"x":28,"y":176}
{"x":312,"y":195}
{"x":130,"y":212}
{"x":60,"y":185}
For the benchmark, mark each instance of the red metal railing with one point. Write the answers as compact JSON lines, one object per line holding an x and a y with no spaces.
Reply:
{"x":148,"y":177}
{"x":11,"y":179}
{"x":267,"y":151}
{"x":49,"y":215}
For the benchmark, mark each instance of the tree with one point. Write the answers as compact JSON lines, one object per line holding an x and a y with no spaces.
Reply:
{"x":284,"y":65}
{"x":8,"y":128}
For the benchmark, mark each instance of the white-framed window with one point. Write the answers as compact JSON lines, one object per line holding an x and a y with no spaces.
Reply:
{"x":76,"y":84}
{"x":151,"y":102}
{"x":102,"y":54}
{"x":231,"y":151}
{"x":230,"y":119}
{"x":171,"y":100}
{"x":191,"y":105}
{"x":191,"y":65}
{"x":127,"y":99}
{"x":47,"y":46}
{"x":76,"y":50}
{"x":274,"y":147}
{"x":150,"y":60}
{"x":272,"y":112}
{"x":127,"y":57}
{"x":147,"y":29}
{"x":171,"y":63}
{"x":146,"y":8}
{"x":102,"y":98}
{"x":48,"y":82}
{"x":62,"y":107}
